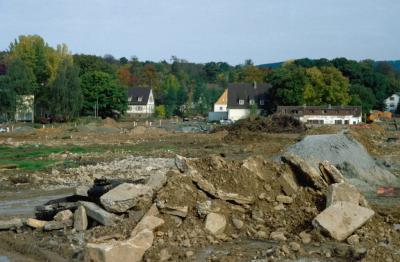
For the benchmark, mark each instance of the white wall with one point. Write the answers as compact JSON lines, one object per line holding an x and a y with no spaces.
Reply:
{"x":220,"y":108}
{"x":392,"y":102}
{"x":146,"y":109}
{"x":330,"y":120}
{"x":236,"y":114}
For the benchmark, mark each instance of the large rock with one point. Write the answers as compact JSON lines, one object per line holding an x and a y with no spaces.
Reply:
{"x":156,"y":181}
{"x":131,"y":250}
{"x":124,"y":197}
{"x":181,"y":163}
{"x":215,"y":223}
{"x":148,"y":222}
{"x":305,"y":172}
{"x":288,"y":183}
{"x":330,"y":172}
{"x":11,"y":223}
{"x":80,"y":219}
{"x":63,"y":215}
{"x":341,"y":219}
{"x":35,"y":223}
{"x":344,"y":192}
{"x":97,"y":213}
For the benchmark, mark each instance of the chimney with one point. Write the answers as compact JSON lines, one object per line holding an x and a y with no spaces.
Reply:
{"x":255,"y":85}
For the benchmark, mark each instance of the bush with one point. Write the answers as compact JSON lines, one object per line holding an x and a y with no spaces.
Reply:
{"x":160,"y":111}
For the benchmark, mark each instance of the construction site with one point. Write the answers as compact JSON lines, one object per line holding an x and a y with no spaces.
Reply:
{"x":264,"y":189}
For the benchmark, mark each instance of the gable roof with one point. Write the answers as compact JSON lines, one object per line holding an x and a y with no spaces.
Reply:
{"x":247,"y":92}
{"x":135,"y":92}
{"x":223,"y":99}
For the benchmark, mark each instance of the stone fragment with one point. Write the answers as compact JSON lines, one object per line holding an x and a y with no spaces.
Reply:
{"x":330,"y":172}
{"x":80,"y":219}
{"x":216,"y":161}
{"x":288,"y":183}
{"x":189,"y":253}
{"x":13,"y":223}
{"x":180,"y":211}
{"x":307,"y":173}
{"x":124,"y":197}
{"x":341,"y":219}
{"x":55,"y":225}
{"x":157,"y":181}
{"x":35,"y":223}
{"x":203,"y":208}
{"x":278,"y":236}
{"x":97,"y":213}
{"x":131,"y":250}
{"x":63,"y":215}
{"x":82,"y":191}
{"x":181,"y":163}
{"x":305,"y":237}
{"x":215,"y":223}
{"x":294,"y":246}
{"x":237,"y":223}
{"x":344,"y":192}
{"x":279,"y":207}
{"x":284,"y":199}
{"x":254,"y":165}
{"x":148,"y":222}
{"x":353,"y":240}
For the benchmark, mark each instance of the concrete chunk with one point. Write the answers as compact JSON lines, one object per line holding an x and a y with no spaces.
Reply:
{"x":305,"y":172}
{"x":97,"y":213}
{"x":215,"y":223}
{"x":80,"y":219}
{"x":131,"y":250}
{"x":11,"y":223}
{"x":344,"y":192}
{"x":149,"y":223}
{"x":341,"y":219}
{"x":124,"y":197}
{"x":288,"y":183}
{"x":35,"y":223}
{"x":330,"y":172}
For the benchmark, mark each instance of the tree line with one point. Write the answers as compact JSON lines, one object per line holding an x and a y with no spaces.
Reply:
{"x":67,"y":86}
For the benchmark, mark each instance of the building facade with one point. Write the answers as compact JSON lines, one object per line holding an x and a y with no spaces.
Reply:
{"x":330,"y":115}
{"x":238,"y":99}
{"x":392,"y":102}
{"x":140,"y":102}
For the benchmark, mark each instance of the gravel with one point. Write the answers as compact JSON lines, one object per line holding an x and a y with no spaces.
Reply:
{"x":349,"y":156}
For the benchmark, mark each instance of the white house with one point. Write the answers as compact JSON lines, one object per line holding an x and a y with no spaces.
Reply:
{"x":334,"y":115}
{"x":25,"y":108}
{"x":140,"y":102}
{"x":236,"y":101}
{"x":392,"y":102}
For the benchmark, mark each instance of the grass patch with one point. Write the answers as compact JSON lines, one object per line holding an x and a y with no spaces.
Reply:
{"x":33,"y":158}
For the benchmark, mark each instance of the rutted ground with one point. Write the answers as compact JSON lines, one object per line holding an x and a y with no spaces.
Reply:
{"x":234,"y":177}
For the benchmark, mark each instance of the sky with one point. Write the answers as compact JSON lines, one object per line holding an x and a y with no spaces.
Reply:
{"x":200,"y":31}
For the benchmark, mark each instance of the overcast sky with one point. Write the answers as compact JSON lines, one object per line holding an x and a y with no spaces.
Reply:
{"x":210,"y":30}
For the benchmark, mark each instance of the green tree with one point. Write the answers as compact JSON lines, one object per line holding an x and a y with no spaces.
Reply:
{"x":65,"y":96}
{"x":362,"y":96}
{"x":102,"y":89}
{"x":160,"y":111}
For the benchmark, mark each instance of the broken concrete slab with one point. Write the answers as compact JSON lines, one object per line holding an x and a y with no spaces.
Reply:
{"x":55,"y":225}
{"x":330,"y":172}
{"x":63,"y":215}
{"x":252,"y":164}
{"x":35,"y":223}
{"x":156,"y":181}
{"x":344,"y":192}
{"x":180,"y":211}
{"x":97,"y":213}
{"x":13,"y":223}
{"x":305,"y":172}
{"x":131,"y":250}
{"x":124,"y":197}
{"x":341,"y":219}
{"x":215,"y":223}
{"x":288,"y":183}
{"x":80,"y":219}
{"x":148,"y":222}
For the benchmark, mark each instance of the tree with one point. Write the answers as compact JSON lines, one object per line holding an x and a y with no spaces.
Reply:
{"x":101,"y":89}
{"x":65,"y":97}
{"x":160,"y":111}
{"x":362,"y":96}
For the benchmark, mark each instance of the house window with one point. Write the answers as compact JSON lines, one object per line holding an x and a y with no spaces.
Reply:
{"x":241,"y":101}
{"x":139,"y":108}
{"x":261,"y":102}
{"x":221,"y":108}
{"x":251,"y":101}
{"x":392,"y":105}
{"x":346,"y":122}
{"x":392,"y":98}
{"x":130,"y":99}
{"x":338,"y":122}
{"x":139,"y":99}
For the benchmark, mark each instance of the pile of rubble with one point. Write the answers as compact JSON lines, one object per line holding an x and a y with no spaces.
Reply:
{"x":299,"y":210}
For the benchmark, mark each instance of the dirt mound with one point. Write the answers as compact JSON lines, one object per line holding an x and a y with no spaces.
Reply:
{"x":271,"y":124}
{"x":348,"y":155}
{"x":109,"y":122}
